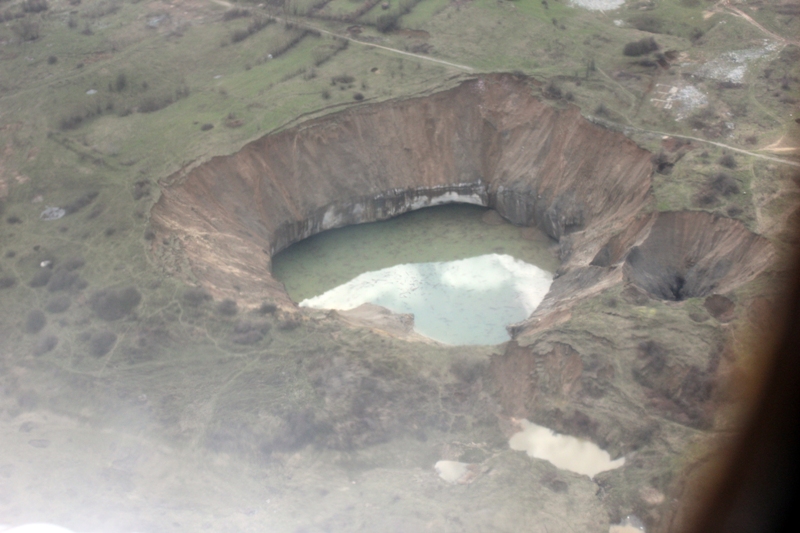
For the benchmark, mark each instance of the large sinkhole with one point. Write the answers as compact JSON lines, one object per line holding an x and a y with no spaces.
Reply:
{"x":462,"y":271}
{"x":493,"y":142}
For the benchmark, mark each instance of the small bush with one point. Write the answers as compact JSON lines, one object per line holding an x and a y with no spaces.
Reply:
{"x":227,"y":307}
{"x":724,"y":184}
{"x":344,"y":79}
{"x":114,"y":304}
{"x":326,"y":94}
{"x":26,"y":30}
{"x":121,"y":83}
{"x":6,"y":282}
{"x":58,"y":304}
{"x":35,"y":321}
{"x":640,"y":48}
{"x":81,"y":202}
{"x":34,"y":6}
{"x":289,"y":324}
{"x":41,"y":278}
{"x":602,"y":111}
{"x":45,"y":344}
{"x":727,"y":161}
{"x":387,"y":22}
{"x":648,"y":23}
{"x":102,"y":342}
{"x":267,"y":308}
{"x":52,"y":60}
{"x":235,"y":13}
{"x":62,"y":280}
{"x":358,"y":97}
{"x":195,"y":296}
{"x":254,"y":27}
{"x":552,"y":90}
{"x":206,"y":127}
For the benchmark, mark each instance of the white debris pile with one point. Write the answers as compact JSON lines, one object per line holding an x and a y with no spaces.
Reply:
{"x":598,"y":5}
{"x":681,"y":99}
{"x":52,"y":213}
{"x":688,"y":99}
{"x":732,"y":66}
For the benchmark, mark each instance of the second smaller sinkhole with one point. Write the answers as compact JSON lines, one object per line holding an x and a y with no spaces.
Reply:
{"x":461,"y":270}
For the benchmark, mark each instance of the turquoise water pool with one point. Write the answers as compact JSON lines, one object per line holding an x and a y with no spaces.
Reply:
{"x":462,"y":271}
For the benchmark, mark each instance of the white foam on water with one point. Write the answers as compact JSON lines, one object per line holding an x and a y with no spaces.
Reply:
{"x":469,"y":301}
{"x":630,"y":524}
{"x":564,"y":451}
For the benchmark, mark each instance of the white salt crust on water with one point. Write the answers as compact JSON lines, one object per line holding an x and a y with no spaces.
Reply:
{"x":469,"y":301}
{"x":630,"y":524}
{"x":563,"y":451}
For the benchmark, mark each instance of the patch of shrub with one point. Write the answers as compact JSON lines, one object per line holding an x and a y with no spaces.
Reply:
{"x":58,"y":304}
{"x":73,"y":263}
{"x":235,"y":13}
{"x":62,"y":280}
{"x":206,"y":127}
{"x":227,"y":307}
{"x":114,"y":304}
{"x":289,"y":43}
{"x":14,"y":219}
{"x":254,"y":27}
{"x":387,"y":22}
{"x":45,"y":344}
{"x":705,"y":199}
{"x":288,"y":324}
{"x":734,"y":211}
{"x":6,"y":282}
{"x":35,"y":321}
{"x":344,"y":79}
{"x":52,"y":60}
{"x":552,"y":90}
{"x":358,"y":97}
{"x":151,"y":104}
{"x":648,"y":23}
{"x":195,"y":296}
{"x":640,"y":47}
{"x":41,"y":278}
{"x":247,"y":339}
{"x":102,"y":342}
{"x":724,"y":184}
{"x":663,"y":163}
{"x":602,"y":111}
{"x":267,"y":308}
{"x":751,"y":139}
{"x":35,"y":6}
{"x":326,"y":94}
{"x":26,"y":30}
{"x":80,"y":202}
{"x":727,"y":161}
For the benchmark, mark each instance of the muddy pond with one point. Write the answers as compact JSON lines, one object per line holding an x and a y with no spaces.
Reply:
{"x":461,"y":270}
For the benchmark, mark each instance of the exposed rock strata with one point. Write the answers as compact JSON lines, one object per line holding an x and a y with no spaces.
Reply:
{"x":488,"y":142}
